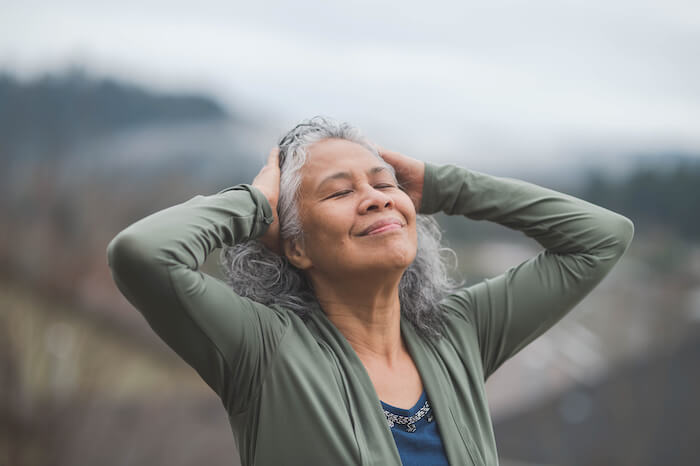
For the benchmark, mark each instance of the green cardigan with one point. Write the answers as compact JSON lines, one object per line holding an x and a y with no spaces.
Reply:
{"x":295,"y":391}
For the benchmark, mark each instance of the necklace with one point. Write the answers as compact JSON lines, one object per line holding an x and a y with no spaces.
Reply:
{"x":409,"y":421}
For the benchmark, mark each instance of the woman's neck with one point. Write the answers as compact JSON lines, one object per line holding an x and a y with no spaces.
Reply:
{"x":367,"y":312}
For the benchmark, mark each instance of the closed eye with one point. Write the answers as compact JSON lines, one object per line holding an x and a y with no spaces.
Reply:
{"x":339,"y":193}
{"x":384,"y":186}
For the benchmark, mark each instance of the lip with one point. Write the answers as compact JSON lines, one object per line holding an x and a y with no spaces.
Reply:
{"x":381,"y":225}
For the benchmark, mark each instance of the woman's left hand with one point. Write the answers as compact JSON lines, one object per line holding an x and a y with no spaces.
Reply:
{"x":268,"y":182}
{"x":409,"y":172}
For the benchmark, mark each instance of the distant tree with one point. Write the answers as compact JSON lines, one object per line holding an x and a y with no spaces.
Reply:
{"x":38,"y":118}
{"x":665,"y":193}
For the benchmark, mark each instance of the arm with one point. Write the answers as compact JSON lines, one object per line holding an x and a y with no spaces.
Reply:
{"x":227,"y":339}
{"x":582,"y":243}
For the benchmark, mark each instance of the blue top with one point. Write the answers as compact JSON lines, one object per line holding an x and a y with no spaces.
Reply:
{"x":424,"y":445}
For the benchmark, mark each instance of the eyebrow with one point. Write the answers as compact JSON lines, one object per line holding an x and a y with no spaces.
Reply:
{"x":347,"y":175}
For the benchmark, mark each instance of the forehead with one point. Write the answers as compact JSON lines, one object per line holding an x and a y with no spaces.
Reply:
{"x":336,"y":155}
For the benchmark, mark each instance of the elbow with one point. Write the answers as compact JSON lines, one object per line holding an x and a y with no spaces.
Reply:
{"x":624,"y":233}
{"x":119,"y":247}
{"x":125,"y":254}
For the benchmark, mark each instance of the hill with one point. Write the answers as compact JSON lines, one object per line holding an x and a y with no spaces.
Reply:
{"x":40,"y":118}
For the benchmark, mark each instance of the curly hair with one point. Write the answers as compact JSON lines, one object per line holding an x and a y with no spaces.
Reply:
{"x":255,"y":272}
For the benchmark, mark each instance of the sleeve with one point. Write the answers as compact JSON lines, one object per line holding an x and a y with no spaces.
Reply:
{"x":582,"y":243}
{"x":229,"y":340}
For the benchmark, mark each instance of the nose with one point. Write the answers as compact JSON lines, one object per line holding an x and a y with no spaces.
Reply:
{"x":375,"y":200}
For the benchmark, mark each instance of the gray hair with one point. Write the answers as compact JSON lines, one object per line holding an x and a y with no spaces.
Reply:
{"x":255,"y":272}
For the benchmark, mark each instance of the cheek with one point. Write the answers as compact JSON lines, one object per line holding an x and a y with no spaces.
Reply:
{"x":414,"y":234}
{"x":413,"y":239}
{"x":405,"y":204}
{"x":324,"y":232}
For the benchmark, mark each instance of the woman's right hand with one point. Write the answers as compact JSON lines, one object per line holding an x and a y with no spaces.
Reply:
{"x":268,"y":181}
{"x":410,"y":173}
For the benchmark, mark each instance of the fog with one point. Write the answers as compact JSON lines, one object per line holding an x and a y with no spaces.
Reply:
{"x":519,"y":82}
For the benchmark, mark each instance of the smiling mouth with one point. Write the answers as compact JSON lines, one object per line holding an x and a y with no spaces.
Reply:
{"x":385,"y":228}
{"x":382,"y":226}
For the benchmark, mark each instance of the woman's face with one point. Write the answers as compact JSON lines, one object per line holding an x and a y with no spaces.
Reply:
{"x":354,"y":216}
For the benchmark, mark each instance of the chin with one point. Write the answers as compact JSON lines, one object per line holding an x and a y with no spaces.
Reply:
{"x":396,"y":257}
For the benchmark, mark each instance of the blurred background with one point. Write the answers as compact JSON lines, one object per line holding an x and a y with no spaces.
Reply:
{"x":112,"y":111}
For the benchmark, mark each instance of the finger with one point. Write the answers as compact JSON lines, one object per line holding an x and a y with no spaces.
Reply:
{"x":383,"y":152}
{"x":392,"y":158}
{"x":386,"y":153}
{"x":272,"y":158}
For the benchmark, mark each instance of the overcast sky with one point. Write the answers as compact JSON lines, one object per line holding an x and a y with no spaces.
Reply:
{"x":512,"y":81}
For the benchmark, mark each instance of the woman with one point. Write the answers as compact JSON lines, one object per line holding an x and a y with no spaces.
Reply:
{"x":337,"y":343}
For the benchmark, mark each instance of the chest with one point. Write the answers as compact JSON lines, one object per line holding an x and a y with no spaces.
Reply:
{"x":321,"y":390}
{"x":398,"y":386}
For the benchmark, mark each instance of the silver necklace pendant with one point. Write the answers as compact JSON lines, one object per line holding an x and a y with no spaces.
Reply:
{"x":410,"y":422}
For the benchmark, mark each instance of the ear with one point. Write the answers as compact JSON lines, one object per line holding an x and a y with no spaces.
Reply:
{"x":295,"y":253}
